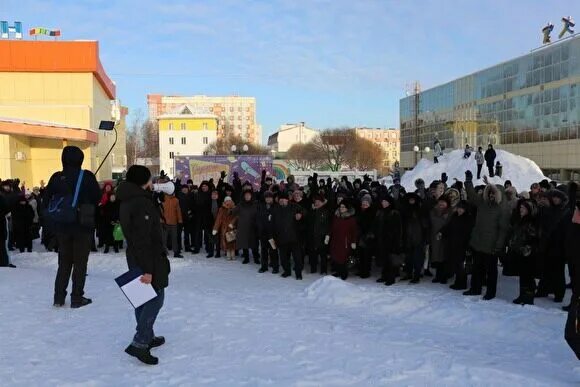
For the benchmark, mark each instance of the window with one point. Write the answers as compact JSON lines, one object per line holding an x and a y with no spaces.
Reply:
{"x":231,"y":118}
{"x":248,"y":118}
{"x":205,"y":153}
{"x":205,"y":141}
{"x":239,"y":117}
{"x":170,"y":140}
{"x":183,"y":140}
{"x":231,"y":109}
{"x":239,"y":109}
{"x":171,"y":155}
{"x":247,"y":109}
{"x":170,"y":126}
{"x":183,"y":126}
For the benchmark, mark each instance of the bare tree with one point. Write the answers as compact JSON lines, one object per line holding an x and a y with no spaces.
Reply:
{"x":333,"y":145}
{"x":364,"y":154}
{"x":223,"y":146}
{"x":304,"y":157}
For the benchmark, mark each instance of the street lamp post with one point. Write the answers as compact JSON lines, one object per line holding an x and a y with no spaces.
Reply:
{"x":420,"y":151}
{"x":236,"y":151}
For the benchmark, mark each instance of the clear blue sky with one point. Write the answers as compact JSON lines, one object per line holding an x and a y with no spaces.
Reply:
{"x":327,"y":62}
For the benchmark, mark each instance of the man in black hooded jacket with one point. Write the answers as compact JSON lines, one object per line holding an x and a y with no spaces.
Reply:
{"x":74,"y":240}
{"x":141,"y":223}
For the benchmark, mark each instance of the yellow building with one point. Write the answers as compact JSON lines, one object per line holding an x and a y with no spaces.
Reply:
{"x":184,"y":133}
{"x":52,"y":94}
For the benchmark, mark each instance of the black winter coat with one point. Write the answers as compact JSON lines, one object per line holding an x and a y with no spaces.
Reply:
{"x":285,"y":227}
{"x":572,"y":249}
{"x":22,"y":216}
{"x":246,"y":236}
{"x":490,"y":156}
{"x":264,"y":221}
{"x":319,"y":220}
{"x":388,"y":232}
{"x":141,"y":223}
{"x":366,"y":232}
{"x":456,"y":234}
{"x":202,"y":205}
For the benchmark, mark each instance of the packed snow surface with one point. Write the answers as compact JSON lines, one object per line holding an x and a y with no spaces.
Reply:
{"x":227,"y":325}
{"x":520,"y":170}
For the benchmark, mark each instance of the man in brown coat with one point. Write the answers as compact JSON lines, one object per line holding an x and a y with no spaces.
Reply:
{"x":171,"y":219}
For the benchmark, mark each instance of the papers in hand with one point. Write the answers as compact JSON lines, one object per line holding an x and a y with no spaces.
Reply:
{"x":136,"y":291}
{"x":272,"y":243}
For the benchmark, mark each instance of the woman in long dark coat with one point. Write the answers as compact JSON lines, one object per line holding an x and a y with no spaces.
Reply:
{"x":388,"y":233}
{"x":110,"y":217}
{"x":456,"y":234}
{"x":343,"y":238}
{"x":246,"y":239}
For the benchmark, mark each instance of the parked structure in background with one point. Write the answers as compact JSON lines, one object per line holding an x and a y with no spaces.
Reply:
{"x":183,"y":132}
{"x":389,"y":140}
{"x":52,"y":94}
{"x":528,"y":106}
{"x":288,"y":135}
{"x":236,"y":115}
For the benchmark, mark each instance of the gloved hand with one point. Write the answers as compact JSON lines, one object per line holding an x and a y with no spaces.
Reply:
{"x":214,"y":232}
{"x":230,"y":225}
{"x":468,"y":176}
{"x":353,"y":246}
{"x":326,"y":239}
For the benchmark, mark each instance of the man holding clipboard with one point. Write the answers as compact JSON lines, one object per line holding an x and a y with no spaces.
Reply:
{"x":141,"y":223}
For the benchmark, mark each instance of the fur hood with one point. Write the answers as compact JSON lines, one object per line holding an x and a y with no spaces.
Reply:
{"x":349,"y":213}
{"x":489,"y":189}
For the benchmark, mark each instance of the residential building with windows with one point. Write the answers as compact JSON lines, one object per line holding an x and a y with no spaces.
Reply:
{"x":184,"y":133}
{"x":235,"y":114}
{"x":290,"y":134}
{"x":390,"y":142}
{"x":529,"y":106}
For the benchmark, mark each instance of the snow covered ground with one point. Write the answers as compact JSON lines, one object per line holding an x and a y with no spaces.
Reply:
{"x":227,"y":325}
{"x":520,"y":170}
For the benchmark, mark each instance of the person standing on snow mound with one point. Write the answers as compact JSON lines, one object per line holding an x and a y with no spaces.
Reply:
{"x":490,"y":156}
{"x":74,"y":237}
{"x":479,"y":159}
{"x":141,"y":223}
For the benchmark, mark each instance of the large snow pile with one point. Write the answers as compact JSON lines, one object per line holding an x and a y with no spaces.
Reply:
{"x":227,"y":325}
{"x":520,"y":170}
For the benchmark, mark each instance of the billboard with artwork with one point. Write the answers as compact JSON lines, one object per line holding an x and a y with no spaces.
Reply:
{"x":200,"y":168}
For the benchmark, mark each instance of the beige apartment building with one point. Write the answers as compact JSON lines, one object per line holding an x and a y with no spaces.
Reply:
{"x":388,"y":139}
{"x":236,"y":115}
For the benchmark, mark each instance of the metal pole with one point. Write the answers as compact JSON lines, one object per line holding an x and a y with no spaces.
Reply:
{"x":109,"y":152}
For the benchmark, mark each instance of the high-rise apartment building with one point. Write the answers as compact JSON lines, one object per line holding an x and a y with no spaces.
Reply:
{"x":390,"y":142}
{"x":236,"y":115}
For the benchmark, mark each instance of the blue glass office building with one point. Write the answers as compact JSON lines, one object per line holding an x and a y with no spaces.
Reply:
{"x":529,"y":105}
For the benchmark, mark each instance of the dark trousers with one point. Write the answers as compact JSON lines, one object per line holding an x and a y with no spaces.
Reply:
{"x":318,"y":256}
{"x":479,"y":167}
{"x":188,"y":235}
{"x":73,"y":255}
{"x":146,"y":315}
{"x":295,"y":251}
{"x":365,"y":257}
{"x":490,"y":170}
{"x":443,"y":270}
{"x":170,"y":232}
{"x":23,"y":240}
{"x":553,"y":277}
{"x":414,"y":261}
{"x":458,"y":268}
{"x":484,"y":266}
{"x":4,"y":260}
{"x":389,"y":269}
{"x":571,"y":333}
{"x":527,"y":275}
{"x":268,"y":256}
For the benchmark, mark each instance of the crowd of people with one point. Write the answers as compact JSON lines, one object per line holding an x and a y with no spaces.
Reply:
{"x":338,"y":227}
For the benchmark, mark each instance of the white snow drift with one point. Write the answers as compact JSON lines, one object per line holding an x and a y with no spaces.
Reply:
{"x":227,"y":325}
{"x":520,"y":170}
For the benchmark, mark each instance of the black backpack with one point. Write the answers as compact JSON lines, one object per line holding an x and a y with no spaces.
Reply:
{"x":63,"y":208}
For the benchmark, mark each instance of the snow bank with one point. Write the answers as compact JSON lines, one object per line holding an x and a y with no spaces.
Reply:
{"x":520,"y":170}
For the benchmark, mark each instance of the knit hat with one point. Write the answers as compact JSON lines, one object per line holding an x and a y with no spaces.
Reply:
{"x":283,"y":195}
{"x":228,"y":199}
{"x":367,"y":198}
{"x":138,"y":175}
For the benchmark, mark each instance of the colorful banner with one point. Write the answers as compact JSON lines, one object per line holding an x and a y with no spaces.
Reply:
{"x":200,"y":168}
{"x":43,"y":31}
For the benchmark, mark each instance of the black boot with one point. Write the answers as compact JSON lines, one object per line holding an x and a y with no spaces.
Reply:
{"x":157,"y":341}
{"x":106,"y":251}
{"x":262,"y":270}
{"x":246,"y":261}
{"x":471,"y":292}
{"x":58,"y":301}
{"x":83,"y":301}
{"x":275,"y":271}
{"x":286,"y":275}
{"x":143,"y":354}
